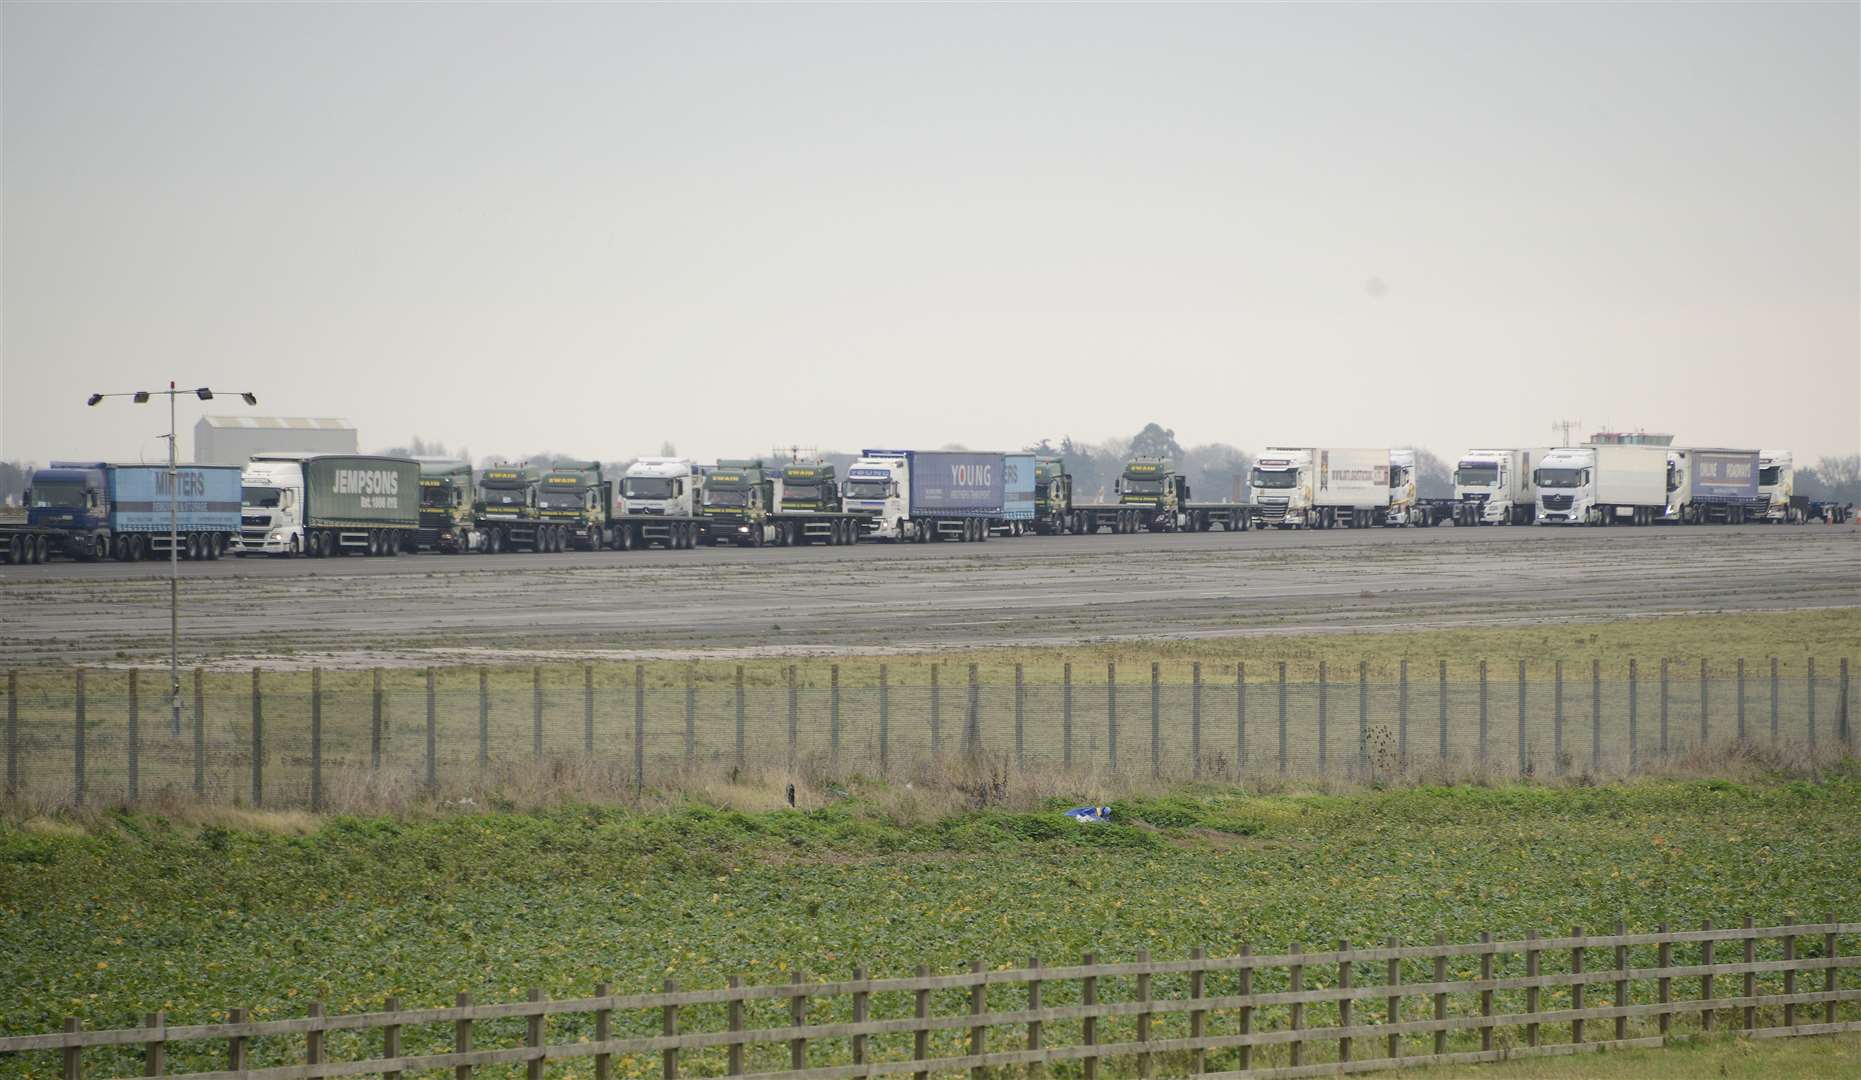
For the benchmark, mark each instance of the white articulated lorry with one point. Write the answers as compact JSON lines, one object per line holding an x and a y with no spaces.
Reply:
{"x":925,"y":495}
{"x":1320,"y":487}
{"x":1602,"y":484}
{"x":1777,"y":486}
{"x":1496,"y":487}
{"x":328,"y":504}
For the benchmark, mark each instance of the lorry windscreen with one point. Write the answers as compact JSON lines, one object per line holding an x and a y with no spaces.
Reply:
{"x":1476,"y":475}
{"x":803,"y":492}
{"x":646,"y":487}
{"x":1272,"y":478}
{"x":264,"y":497}
{"x":560,"y":500}
{"x":1143,"y":487}
{"x":1770,"y":475}
{"x":726,"y":497}
{"x":1560,"y":478}
{"x":435,"y":496}
{"x":59,"y":496}
{"x":866,"y":489}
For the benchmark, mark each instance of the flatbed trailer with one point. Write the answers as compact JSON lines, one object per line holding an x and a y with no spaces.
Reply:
{"x":674,"y":532}
{"x":1435,"y":511}
{"x":793,"y":528}
{"x":23,"y":545}
{"x":1122,"y":518}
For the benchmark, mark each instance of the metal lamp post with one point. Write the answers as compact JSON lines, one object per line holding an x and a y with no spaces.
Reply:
{"x":141,"y":397}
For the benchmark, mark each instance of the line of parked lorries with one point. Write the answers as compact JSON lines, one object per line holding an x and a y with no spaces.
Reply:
{"x":325,"y":504}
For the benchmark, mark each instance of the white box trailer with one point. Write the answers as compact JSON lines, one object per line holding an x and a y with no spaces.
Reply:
{"x":1602,"y":484}
{"x":1320,"y":486}
{"x":1495,"y":486}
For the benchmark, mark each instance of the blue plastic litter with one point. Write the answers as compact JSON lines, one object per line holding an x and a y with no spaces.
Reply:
{"x":1090,"y":815}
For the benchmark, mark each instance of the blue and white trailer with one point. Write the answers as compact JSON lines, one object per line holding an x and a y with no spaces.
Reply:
{"x":922,"y":495}
{"x":97,"y":510}
{"x":1713,"y":485}
{"x":1018,"y":505}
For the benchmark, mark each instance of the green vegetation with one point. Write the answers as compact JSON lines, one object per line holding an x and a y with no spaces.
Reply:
{"x":119,"y":914}
{"x":1731,"y":1058}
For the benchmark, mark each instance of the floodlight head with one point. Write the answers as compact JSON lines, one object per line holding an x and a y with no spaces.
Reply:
{"x":93,"y":399}
{"x":204,"y":394}
{"x":141,"y":397}
{"x":250,"y":397}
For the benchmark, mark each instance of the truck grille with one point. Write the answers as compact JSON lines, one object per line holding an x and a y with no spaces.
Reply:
{"x":259,"y":522}
{"x":1557,"y":502}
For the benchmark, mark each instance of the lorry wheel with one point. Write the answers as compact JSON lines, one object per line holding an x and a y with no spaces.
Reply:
{"x":626,"y":538}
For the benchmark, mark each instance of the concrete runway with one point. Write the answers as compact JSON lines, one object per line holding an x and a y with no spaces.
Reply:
{"x":1029,"y":590}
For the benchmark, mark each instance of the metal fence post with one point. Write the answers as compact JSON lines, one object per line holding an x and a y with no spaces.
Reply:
{"x":1809,"y":688}
{"x":1156,"y":722}
{"x":1773,"y":699}
{"x":691,"y":715}
{"x":1363,"y":718}
{"x":1841,"y":715}
{"x":258,"y":742}
{"x":77,"y":746}
{"x":588,"y":710}
{"x":936,"y":717}
{"x":536,"y":712}
{"x":1741,"y":699}
{"x":374,"y":725}
{"x":1663,"y":708}
{"x":135,"y":749}
{"x":972,"y":727}
{"x":885,"y":723}
{"x":1482,"y":745}
{"x":1324,"y":717}
{"x":1240,"y":718}
{"x":833,"y":716}
{"x":432,"y":732}
{"x":740,"y":729}
{"x":484,"y":718}
{"x":1596,"y":716}
{"x":1066,"y":715}
{"x":316,"y":740}
{"x":1284,"y":763}
{"x":1195,"y":719}
{"x":1111,"y":713}
{"x":12,"y":733}
{"x":1705,"y":729}
{"x":1442,"y":752}
{"x":1020,"y":722}
{"x":1634,"y":709}
{"x":1402,"y":712}
{"x":1524,"y":745}
{"x":200,"y":733}
{"x":794,"y":717}
{"x":1557,"y":720}
{"x":639,"y":728}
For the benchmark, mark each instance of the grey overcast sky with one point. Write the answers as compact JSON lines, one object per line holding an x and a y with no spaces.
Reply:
{"x":594,"y":228}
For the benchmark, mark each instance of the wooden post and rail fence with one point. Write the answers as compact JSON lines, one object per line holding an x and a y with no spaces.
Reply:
{"x":1294,"y":1013}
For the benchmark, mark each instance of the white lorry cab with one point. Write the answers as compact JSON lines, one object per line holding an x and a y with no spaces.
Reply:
{"x":661,"y":485}
{"x":878,"y":489}
{"x":1777,"y":482}
{"x":1321,"y":487}
{"x":1496,"y":487}
{"x":1602,"y":484}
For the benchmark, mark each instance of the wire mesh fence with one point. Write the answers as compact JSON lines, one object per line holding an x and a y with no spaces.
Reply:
{"x":301,"y":739}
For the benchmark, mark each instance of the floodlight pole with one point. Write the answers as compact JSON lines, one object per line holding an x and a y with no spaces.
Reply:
{"x":174,"y":533}
{"x":174,"y":573}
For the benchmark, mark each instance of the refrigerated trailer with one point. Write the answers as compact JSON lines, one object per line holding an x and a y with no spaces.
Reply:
{"x":328,"y":504}
{"x":1712,"y":485}
{"x":1602,"y":484}
{"x":1495,"y":487}
{"x":97,"y":510}
{"x":1319,"y":487}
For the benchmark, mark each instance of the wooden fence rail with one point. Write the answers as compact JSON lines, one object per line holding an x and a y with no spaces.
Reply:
{"x":1330,"y":1042}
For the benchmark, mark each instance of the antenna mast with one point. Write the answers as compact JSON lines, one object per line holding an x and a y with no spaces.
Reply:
{"x":1564,"y":426}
